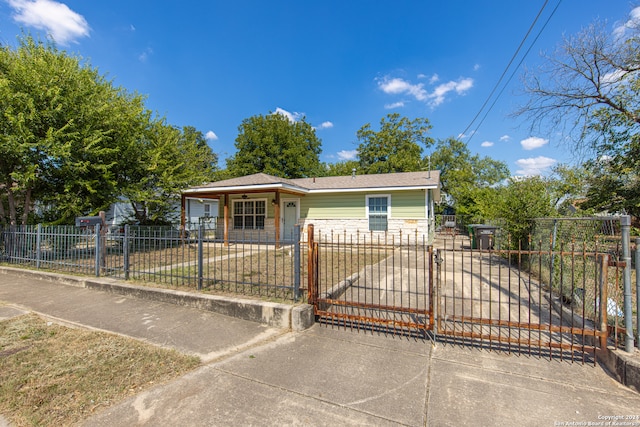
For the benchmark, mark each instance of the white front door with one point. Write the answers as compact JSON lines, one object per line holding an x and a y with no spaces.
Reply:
{"x":290,"y":218}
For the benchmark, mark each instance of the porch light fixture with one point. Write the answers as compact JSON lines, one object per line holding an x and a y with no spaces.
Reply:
{"x":244,"y":196}
{"x":273,"y":202}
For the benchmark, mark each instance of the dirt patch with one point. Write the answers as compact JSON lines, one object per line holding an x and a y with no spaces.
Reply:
{"x":54,"y":375}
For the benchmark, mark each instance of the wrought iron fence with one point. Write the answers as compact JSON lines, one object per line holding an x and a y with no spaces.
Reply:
{"x":256,"y":264}
{"x":373,"y":281}
{"x":557,"y":253}
{"x":252,"y":265}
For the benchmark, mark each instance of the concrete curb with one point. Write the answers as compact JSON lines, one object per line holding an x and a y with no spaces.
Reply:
{"x":625,"y":367}
{"x":283,"y":316}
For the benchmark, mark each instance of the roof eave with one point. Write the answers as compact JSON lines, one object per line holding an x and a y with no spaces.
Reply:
{"x":361,"y":189}
{"x":247,"y":188}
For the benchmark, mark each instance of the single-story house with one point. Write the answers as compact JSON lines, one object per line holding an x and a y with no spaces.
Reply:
{"x":262,"y":203}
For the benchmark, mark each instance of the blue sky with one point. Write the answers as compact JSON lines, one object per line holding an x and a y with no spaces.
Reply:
{"x":341,"y":64}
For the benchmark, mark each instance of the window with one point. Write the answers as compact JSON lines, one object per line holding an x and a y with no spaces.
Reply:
{"x":378,"y":212}
{"x":207,"y":210}
{"x":249,"y":214}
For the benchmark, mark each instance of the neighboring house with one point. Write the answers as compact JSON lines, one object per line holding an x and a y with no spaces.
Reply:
{"x":119,"y":213}
{"x":200,"y":211}
{"x":250,"y":205}
{"x":197,"y":211}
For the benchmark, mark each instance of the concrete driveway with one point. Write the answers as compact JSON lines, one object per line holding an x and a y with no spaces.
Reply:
{"x":256,"y":375}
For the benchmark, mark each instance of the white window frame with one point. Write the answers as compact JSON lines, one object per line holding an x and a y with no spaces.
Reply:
{"x":255,"y":215}
{"x":378,"y":196}
{"x":206,"y":209}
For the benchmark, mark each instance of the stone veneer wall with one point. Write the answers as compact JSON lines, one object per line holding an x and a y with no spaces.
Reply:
{"x":359,"y":228}
{"x":353,"y":229}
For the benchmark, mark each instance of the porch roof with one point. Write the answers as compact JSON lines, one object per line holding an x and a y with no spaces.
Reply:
{"x":259,"y":182}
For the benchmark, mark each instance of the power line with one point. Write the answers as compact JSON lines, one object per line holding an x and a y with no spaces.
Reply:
{"x":509,"y":65}
{"x":516,"y":68}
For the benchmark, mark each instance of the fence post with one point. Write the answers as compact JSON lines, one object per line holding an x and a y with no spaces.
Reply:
{"x":103,"y":240}
{"x":38,"y":243}
{"x":98,"y":246}
{"x":603,"y":291}
{"x":625,"y":223}
{"x":436,"y":291}
{"x":200,"y":255}
{"x":430,"y":292}
{"x":311,"y":269}
{"x":296,"y":262}
{"x":638,"y":292}
{"x":125,"y":251}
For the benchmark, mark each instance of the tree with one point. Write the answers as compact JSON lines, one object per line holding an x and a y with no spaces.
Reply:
{"x":170,"y":160}
{"x":568,"y":186}
{"x":610,"y":189}
{"x":72,"y":143}
{"x":62,"y":126}
{"x":464,"y":176}
{"x":396,"y":147}
{"x":520,"y":201}
{"x":275,"y":145}
{"x":589,"y":89}
{"x":342,"y":168}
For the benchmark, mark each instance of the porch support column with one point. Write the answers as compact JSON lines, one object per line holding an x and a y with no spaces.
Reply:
{"x":226,"y":220}
{"x":276,"y":219}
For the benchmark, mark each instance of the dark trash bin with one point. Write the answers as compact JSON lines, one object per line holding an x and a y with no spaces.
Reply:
{"x":484,"y":236}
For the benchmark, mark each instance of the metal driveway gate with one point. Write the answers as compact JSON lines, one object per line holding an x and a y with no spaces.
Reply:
{"x":539,"y":302}
{"x":372,"y":281}
{"x":547,"y":301}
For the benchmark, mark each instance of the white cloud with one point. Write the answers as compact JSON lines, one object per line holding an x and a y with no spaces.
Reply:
{"x":620,"y":30}
{"x":476,"y":67}
{"x":534,"y":165}
{"x":460,"y":87}
{"x":145,"y":55}
{"x":464,"y":135}
{"x":347,"y":154}
{"x":398,"y":104}
{"x":398,"y":86}
{"x":211,"y":136}
{"x":291,"y":116}
{"x":434,"y":79}
{"x":505,"y":138}
{"x":61,"y":23}
{"x":533,"y":142}
{"x":487,"y":144}
{"x":325,"y":125}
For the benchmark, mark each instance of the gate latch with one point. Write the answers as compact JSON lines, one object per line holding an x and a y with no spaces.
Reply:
{"x":438,"y":258}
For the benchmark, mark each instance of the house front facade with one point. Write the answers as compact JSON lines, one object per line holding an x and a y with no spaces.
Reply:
{"x":252,"y":206}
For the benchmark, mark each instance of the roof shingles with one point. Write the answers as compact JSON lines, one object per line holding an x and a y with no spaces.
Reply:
{"x":428,"y":179}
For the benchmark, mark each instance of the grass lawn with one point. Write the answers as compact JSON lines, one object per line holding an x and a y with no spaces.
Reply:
{"x":56,"y":375}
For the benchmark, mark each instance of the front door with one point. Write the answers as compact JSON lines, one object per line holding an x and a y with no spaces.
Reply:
{"x":290,"y":218}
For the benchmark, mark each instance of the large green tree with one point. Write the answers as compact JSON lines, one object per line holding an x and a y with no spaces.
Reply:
{"x":61,"y":128}
{"x":342,"y":168}
{"x":589,"y":89}
{"x":72,"y":143}
{"x":465,"y":176}
{"x":518,"y":203}
{"x":396,"y":147}
{"x":170,"y":159}
{"x":275,"y":145}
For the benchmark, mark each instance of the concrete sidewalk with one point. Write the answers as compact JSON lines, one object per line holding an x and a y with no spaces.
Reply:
{"x":261,"y":375}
